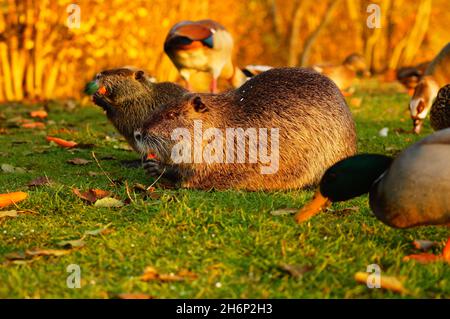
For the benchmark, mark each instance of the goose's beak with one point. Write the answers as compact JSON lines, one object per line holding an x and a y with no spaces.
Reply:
{"x":417,"y":125}
{"x":314,"y":207}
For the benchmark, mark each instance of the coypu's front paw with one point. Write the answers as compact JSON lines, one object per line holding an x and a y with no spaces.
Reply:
{"x":152,"y":167}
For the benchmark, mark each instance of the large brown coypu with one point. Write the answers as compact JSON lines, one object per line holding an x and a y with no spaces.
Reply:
{"x":315,"y":130}
{"x":129,"y":96}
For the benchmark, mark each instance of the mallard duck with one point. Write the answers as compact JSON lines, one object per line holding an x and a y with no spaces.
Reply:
{"x":403,"y":192}
{"x":344,"y":74}
{"x":436,"y":75}
{"x":440,"y":110}
{"x":204,"y":46}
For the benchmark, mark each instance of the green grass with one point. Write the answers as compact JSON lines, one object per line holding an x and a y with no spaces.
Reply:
{"x":226,"y":237}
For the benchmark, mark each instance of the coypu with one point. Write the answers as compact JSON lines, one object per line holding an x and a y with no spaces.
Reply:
{"x":128,"y":97}
{"x":314,"y":123}
{"x":436,"y":75}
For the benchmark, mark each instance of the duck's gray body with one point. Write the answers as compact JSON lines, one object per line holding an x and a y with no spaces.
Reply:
{"x":416,"y":189}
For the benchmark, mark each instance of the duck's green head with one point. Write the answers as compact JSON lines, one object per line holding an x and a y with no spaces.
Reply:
{"x":353,"y":176}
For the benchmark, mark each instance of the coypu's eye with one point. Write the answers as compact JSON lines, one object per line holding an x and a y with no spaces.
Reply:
{"x":420,"y":107}
{"x":171,"y":115}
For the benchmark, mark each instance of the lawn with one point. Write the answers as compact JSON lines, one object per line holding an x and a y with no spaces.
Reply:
{"x":229,"y":241}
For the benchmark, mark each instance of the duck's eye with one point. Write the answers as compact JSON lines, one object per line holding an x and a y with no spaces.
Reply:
{"x":171,"y":115}
{"x":420,"y":107}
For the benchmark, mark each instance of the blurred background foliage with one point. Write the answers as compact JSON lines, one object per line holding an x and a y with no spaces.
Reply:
{"x":41,"y":58}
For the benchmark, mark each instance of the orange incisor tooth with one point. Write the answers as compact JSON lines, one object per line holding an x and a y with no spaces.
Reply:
{"x":151,"y":156}
{"x":314,"y":207}
{"x":102,"y":90}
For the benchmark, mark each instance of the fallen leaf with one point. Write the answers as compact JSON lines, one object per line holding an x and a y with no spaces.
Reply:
{"x":424,"y":245}
{"x":61,"y":142}
{"x":8,"y":213}
{"x":47,"y":252}
{"x":32,"y":125}
{"x":76,"y":243}
{"x":92,"y":195}
{"x":16,"y":256}
{"x":3,"y":131}
{"x":284,"y":211}
{"x":39,"y":181}
{"x":79,"y":161}
{"x":97,"y":231}
{"x":134,"y":296}
{"x":150,"y":273}
{"x":42,"y":114}
{"x":423,"y":258}
{"x":386,"y":282}
{"x":295,"y":271}
{"x":108,"y":202}
{"x":7,"y":168}
{"x":12,"y":198}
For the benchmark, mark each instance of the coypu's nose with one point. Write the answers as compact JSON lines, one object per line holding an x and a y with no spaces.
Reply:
{"x":138,"y":136}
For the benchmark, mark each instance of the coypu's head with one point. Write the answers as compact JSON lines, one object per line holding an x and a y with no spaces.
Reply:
{"x":171,"y":124}
{"x":421,"y":101}
{"x":128,"y":96}
{"x":116,"y":89}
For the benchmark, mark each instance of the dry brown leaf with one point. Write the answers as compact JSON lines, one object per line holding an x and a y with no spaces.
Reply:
{"x":386,"y":282}
{"x":295,"y":271}
{"x":78,"y":161}
{"x":92,"y":195}
{"x":47,"y":252}
{"x":39,"y":181}
{"x":424,"y":245}
{"x":423,"y":258}
{"x":150,"y":273}
{"x":8,"y":213}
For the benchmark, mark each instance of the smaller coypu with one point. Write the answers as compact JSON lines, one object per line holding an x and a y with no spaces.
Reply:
{"x":314,"y":124}
{"x":128,"y":97}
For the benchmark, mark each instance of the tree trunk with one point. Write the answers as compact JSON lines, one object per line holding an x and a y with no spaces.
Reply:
{"x":313,"y":37}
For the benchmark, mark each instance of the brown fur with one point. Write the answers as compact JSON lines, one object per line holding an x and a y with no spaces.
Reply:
{"x":316,"y":130}
{"x":131,"y":98}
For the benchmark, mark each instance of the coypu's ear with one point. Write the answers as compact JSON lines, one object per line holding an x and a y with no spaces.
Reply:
{"x":198,"y":104}
{"x":139,"y":75}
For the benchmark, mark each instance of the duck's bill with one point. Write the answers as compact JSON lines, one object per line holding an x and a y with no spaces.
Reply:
{"x":417,"y":126}
{"x":314,"y":207}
